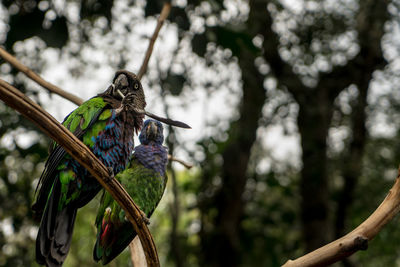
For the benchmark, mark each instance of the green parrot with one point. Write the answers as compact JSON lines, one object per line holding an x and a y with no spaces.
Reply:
{"x":106,"y":124}
{"x":145,"y":180}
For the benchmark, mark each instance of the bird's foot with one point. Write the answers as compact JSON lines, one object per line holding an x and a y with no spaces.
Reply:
{"x":110,"y":174}
{"x":126,"y":101}
{"x":144,"y":218}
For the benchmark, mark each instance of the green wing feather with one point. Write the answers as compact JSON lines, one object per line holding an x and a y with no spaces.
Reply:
{"x":85,"y":121}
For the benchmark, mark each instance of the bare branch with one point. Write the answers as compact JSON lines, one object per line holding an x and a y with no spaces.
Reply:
{"x":39,"y":80}
{"x":80,"y":152}
{"x":185,"y":164}
{"x":137,"y":254}
{"x":357,"y":239}
{"x":164,"y":14}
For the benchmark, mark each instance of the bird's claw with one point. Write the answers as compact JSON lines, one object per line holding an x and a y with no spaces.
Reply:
{"x":110,"y":174}
{"x":124,"y":102}
{"x":144,"y":218}
{"x":110,"y":171}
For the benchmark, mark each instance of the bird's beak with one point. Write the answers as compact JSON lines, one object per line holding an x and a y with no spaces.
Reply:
{"x":151,"y":130}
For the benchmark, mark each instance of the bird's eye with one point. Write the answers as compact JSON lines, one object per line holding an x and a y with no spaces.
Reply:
{"x":136,"y":86}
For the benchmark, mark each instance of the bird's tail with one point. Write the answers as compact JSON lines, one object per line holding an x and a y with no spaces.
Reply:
{"x":54,"y":237}
{"x":112,"y":240}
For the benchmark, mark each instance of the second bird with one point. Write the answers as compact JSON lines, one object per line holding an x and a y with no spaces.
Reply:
{"x":145,"y":180}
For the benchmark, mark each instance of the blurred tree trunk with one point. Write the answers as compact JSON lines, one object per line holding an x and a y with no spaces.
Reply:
{"x":224,"y":249}
{"x":315,"y":109}
{"x":222,"y":246}
{"x":315,"y":114}
{"x":370,"y":58}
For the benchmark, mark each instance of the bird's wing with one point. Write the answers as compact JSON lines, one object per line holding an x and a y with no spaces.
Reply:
{"x":114,"y":231}
{"x":79,"y":122}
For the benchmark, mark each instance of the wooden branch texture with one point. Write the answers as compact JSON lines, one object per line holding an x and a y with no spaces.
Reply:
{"x":35,"y":77}
{"x":51,"y":127}
{"x":358,"y":238}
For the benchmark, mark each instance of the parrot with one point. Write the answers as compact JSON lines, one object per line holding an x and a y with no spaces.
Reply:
{"x":145,"y":180}
{"x":106,"y":124}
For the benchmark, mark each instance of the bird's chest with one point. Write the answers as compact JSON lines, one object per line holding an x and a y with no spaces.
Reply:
{"x":114,"y":144}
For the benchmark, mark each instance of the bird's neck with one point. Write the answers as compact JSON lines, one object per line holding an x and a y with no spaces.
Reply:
{"x":152,"y":156}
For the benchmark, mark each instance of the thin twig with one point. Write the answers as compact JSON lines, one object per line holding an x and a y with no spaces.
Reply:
{"x":35,"y":77}
{"x":184,"y":163}
{"x":358,"y":238}
{"x":164,"y":14}
{"x":80,"y":152}
{"x":135,"y":246}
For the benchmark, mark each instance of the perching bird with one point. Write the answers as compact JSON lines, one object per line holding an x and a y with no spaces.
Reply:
{"x":145,"y":180}
{"x":106,"y":124}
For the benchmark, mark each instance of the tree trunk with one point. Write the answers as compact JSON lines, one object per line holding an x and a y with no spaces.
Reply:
{"x":222,"y":246}
{"x":313,"y":121}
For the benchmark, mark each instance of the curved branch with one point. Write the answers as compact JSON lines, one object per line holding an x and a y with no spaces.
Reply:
{"x":357,"y":239}
{"x":39,"y":80}
{"x":184,"y":163}
{"x":164,"y":14}
{"x":80,"y":152}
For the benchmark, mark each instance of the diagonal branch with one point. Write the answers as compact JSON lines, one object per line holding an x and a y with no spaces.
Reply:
{"x":39,"y":80}
{"x":164,"y":14}
{"x":184,"y":163}
{"x":51,"y":127}
{"x":357,"y":239}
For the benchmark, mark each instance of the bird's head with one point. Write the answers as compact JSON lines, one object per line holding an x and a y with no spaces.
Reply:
{"x":127,"y":88}
{"x":152,"y":131}
{"x":126,"y":83}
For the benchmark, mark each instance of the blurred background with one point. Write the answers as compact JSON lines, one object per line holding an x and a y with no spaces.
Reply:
{"x":294,"y":106}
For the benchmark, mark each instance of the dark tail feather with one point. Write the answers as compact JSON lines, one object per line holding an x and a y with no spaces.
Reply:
{"x":55,"y":231}
{"x":124,"y":236}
